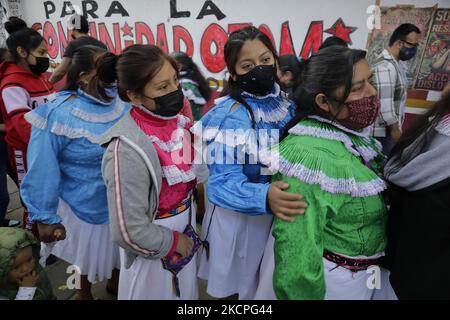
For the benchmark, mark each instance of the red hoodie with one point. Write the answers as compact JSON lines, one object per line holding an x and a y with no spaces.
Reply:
{"x":20,"y":92}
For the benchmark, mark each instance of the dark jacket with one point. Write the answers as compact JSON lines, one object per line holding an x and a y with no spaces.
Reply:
{"x":418,"y":251}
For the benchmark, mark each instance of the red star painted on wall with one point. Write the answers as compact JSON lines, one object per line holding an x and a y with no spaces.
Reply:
{"x":127,"y":30}
{"x":339,"y":29}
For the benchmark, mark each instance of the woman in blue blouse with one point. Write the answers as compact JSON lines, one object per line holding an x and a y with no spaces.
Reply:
{"x":64,"y":188}
{"x":241,"y":198}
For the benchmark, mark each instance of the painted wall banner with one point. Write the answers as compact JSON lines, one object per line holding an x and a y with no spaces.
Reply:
{"x":391,"y":18}
{"x":434,"y":72}
{"x":201,"y":27}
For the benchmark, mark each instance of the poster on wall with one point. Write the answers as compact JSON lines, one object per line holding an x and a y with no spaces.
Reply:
{"x":391,"y":18}
{"x":8,"y":8}
{"x":434,"y":72}
{"x":3,"y":17}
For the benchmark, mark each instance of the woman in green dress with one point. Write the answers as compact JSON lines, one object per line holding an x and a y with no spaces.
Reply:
{"x":334,"y":250}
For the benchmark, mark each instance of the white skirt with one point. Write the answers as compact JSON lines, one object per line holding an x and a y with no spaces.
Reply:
{"x":87,"y":246}
{"x":146,"y":279}
{"x":265,"y":289}
{"x":341,"y":283}
{"x":370,"y":284}
{"x":237,"y":243}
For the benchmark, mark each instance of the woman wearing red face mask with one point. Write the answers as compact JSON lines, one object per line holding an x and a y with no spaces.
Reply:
{"x":22,"y":88}
{"x":334,"y":250}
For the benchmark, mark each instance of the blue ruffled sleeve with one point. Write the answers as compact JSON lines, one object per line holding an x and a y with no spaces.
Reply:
{"x":230,"y":185}
{"x":40,"y":187}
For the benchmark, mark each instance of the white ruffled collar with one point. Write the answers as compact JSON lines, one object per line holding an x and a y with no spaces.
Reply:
{"x":274,"y":94}
{"x":363,"y":134}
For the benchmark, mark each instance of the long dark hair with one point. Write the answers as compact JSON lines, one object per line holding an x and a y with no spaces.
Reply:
{"x":193,"y":73}
{"x":21,"y":36}
{"x":233,"y":47}
{"x":84,"y":60}
{"x":293,"y":64}
{"x":133,"y":68}
{"x":421,"y":132}
{"x":333,"y":41}
{"x":325,"y":72}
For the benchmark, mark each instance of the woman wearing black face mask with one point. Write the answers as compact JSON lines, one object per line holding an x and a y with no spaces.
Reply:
{"x":22,"y":88}
{"x":149,"y":176}
{"x":242,"y":199}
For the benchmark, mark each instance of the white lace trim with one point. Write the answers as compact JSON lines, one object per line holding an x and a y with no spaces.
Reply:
{"x":367,"y":153}
{"x":73,"y":133}
{"x":36,"y":120}
{"x":363,"y":134}
{"x":338,"y":186}
{"x":233,"y":138}
{"x":177,"y":142}
{"x":443,"y":126}
{"x":270,"y":95}
{"x":244,"y":142}
{"x":172,"y":145}
{"x":60,"y":129}
{"x":276,"y":115}
{"x":273,"y":95}
{"x":101,"y":118}
{"x":174,"y":175}
{"x":183,"y":121}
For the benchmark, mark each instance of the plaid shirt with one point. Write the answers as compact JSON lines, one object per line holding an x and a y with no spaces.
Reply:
{"x":391,"y":83}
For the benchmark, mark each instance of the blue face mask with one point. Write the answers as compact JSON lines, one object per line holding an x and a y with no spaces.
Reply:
{"x":407,"y":53}
{"x":111,"y":91}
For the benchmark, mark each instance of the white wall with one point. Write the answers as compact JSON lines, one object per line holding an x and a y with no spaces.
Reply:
{"x":299,"y":14}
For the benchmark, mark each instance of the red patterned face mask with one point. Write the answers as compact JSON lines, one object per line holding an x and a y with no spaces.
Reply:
{"x":362,"y":113}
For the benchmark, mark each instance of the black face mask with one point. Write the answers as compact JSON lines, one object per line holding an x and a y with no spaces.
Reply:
{"x":259,"y":81}
{"x":42,"y":65}
{"x":170,"y":104}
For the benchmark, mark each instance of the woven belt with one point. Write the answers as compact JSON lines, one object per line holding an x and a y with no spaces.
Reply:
{"x":351,"y":264}
{"x":182,"y":207}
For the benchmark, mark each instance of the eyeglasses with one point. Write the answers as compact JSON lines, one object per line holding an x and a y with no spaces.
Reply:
{"x":411,"y":44}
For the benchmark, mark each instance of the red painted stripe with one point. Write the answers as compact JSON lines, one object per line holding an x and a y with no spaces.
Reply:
{"x":417,"y":94}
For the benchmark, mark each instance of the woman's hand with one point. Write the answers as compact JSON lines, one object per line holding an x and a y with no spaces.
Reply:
{"x":285,"y":205}
{"x":184,"y":245}
{"x":51,"y":232}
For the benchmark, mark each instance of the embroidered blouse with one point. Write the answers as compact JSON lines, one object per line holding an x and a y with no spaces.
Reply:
{"x":338,"y":171}
{"x":64,"y":157}
{"x":174,"y":145}
{"x":238,"y":180}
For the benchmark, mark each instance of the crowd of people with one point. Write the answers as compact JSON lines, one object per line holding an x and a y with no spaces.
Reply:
{"x":301,"y":176}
